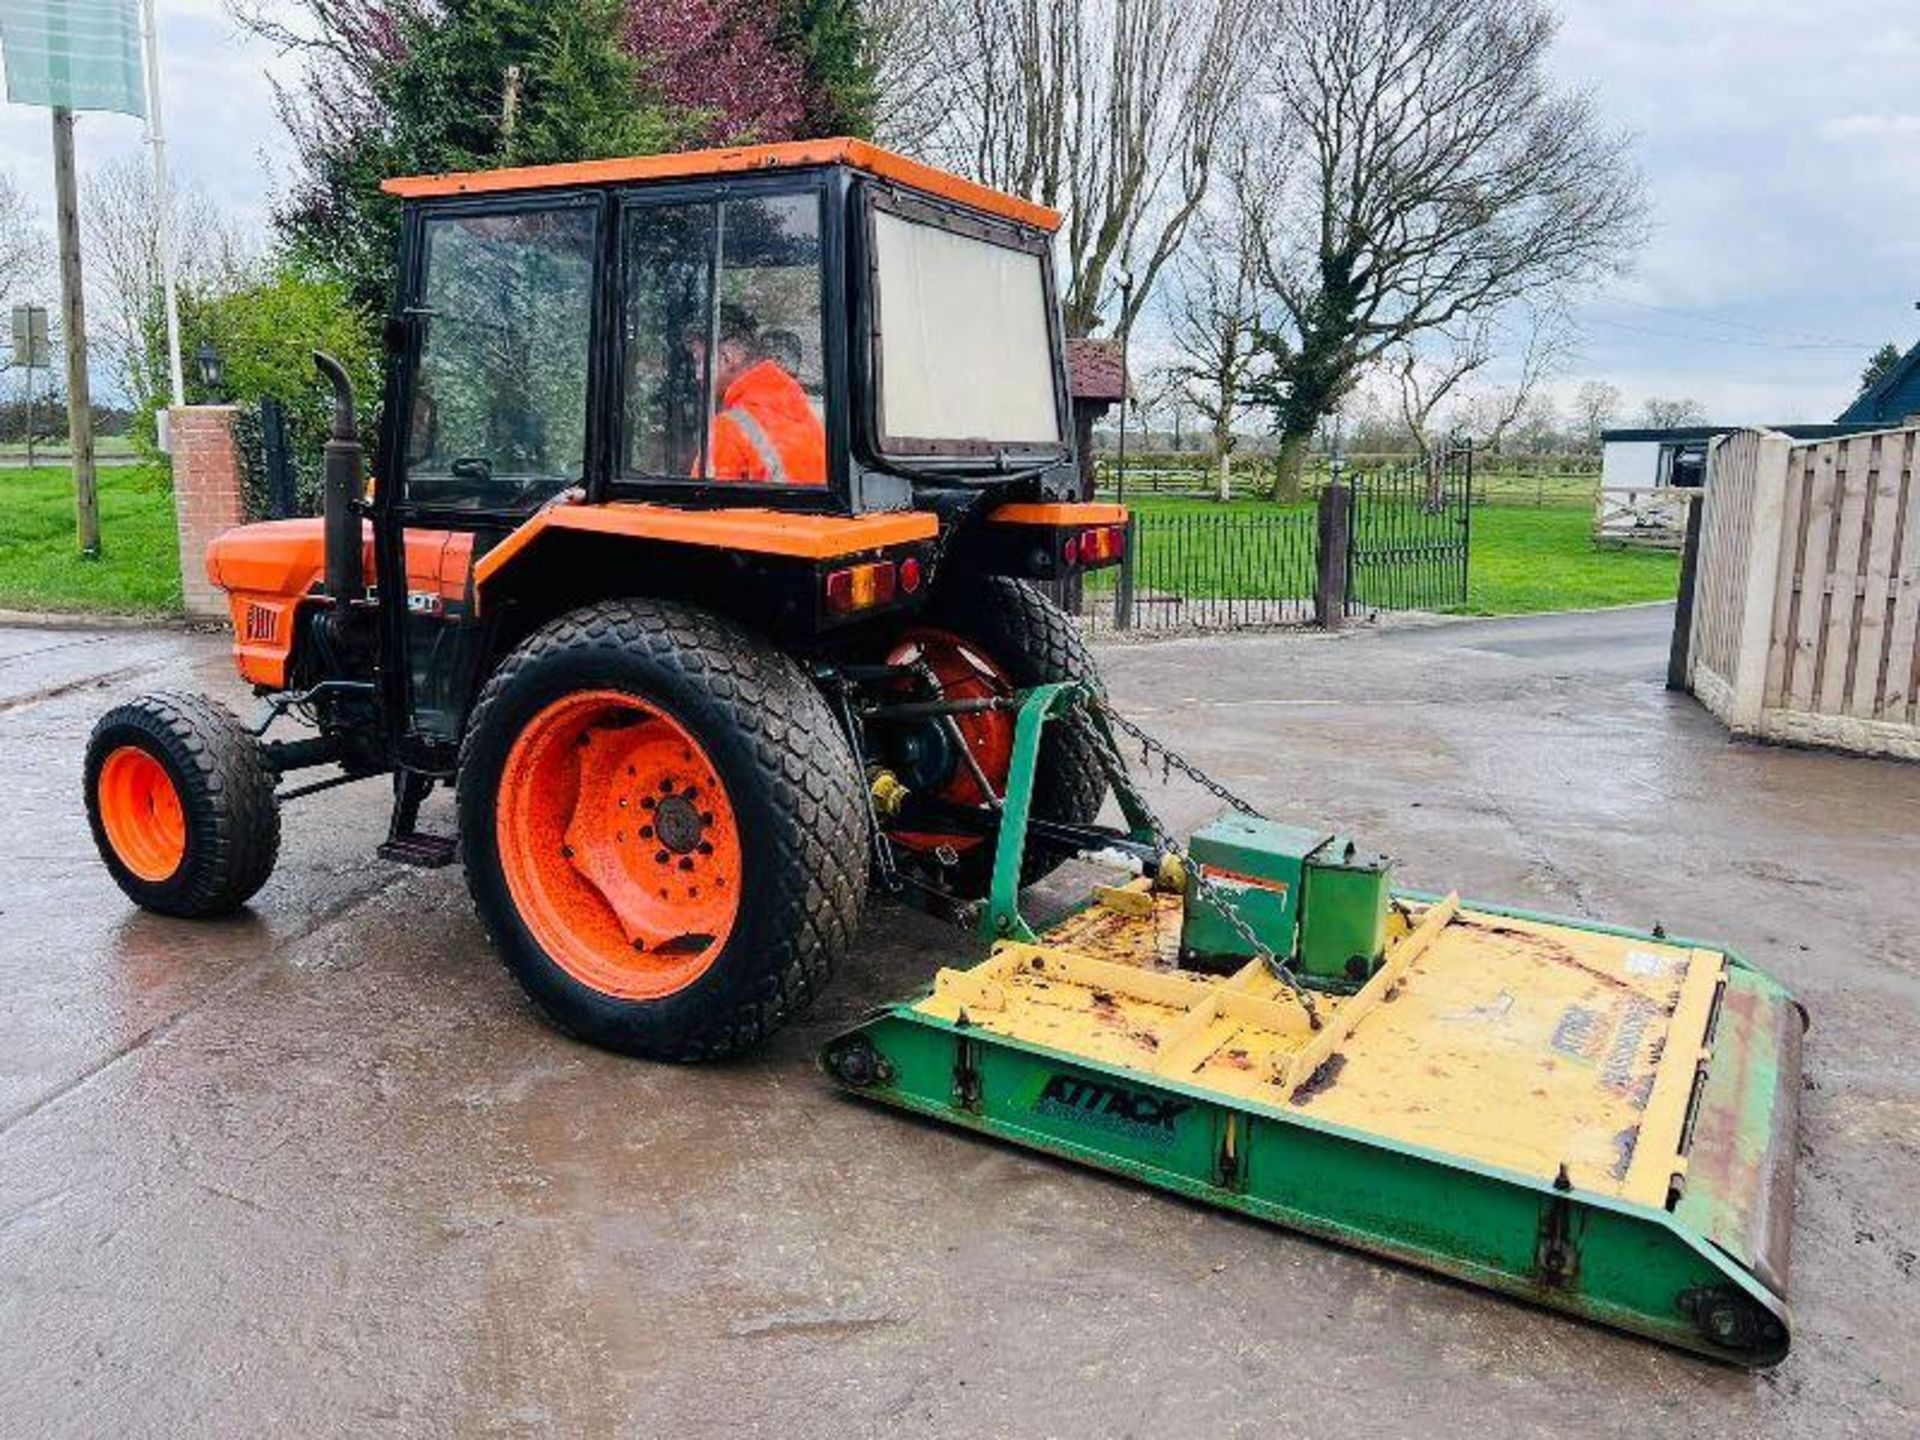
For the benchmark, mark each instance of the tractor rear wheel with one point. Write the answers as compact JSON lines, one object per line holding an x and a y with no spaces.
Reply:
{"x":995,"y":636}
{"x":664,"y":829}
{"x":181,"y":805}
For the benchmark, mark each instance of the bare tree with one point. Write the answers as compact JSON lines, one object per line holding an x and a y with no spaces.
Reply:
{"x":1111,"y":111}
{"x":123,"y":265}
{"x":1441,"y":176}
{"x":1426,"y":374}
{"x":1540,"y":428}
{"x":1162,"y":398}
{"x":24,"y":249}
{"x":1213,"y":321}
{"x":909,"y":43}
{"x":1662,"y":414}
{"x":1595,"y":406}
{"x":1489,"y":414}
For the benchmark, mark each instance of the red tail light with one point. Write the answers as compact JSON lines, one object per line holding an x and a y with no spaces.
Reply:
{"x":861,"y":587}
{"x":1102,"y":544}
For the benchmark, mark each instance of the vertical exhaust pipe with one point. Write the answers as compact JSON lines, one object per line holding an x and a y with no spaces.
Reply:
{"x":341,"y":488}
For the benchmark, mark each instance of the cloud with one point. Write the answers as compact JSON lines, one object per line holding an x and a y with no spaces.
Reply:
{"x":1898,"y":126}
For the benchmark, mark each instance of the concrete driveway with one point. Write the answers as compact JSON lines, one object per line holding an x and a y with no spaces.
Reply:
{"x":319,"y":1170}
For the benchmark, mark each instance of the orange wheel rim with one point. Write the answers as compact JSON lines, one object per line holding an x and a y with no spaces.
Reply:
{"x":619,"y":844}
{"x":965,"y":672}
{"x":140,"y":811}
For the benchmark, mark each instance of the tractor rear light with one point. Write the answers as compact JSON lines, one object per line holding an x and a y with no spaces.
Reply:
{"x":1102,"y":544}
{"x":909,"y":575}
{"x":861,"y":587}
{"x":1070,"y":550}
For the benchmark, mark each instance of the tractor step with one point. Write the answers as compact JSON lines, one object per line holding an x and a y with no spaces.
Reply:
{"x":428,"y":852}
{"x":1593,"y":1120}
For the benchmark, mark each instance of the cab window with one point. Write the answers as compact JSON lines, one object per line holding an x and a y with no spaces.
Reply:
{"x":724,"y":351}
{"x":498,"y":417}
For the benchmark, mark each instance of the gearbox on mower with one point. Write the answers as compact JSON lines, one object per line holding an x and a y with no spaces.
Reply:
{"x":716,"y":492}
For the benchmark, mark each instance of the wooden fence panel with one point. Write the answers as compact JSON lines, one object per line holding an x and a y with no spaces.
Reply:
{"x":1809,"y":562}
{"x":1721,"y":573}
{"x":1899,"y":691}
{"x":1867,"y":665}
{"x":1782,"y":652}
{"x":1840,"y":576}
{"x":1807,"y":604}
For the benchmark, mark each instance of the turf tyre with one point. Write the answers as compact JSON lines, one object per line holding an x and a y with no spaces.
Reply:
{"x":225,"y":794}
{"x":790,"y":778}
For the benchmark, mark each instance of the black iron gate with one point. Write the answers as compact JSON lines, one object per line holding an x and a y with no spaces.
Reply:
{"x":1408,"y":536}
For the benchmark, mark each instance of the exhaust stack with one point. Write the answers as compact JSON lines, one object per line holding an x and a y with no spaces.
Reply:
{"x":341,"y":488}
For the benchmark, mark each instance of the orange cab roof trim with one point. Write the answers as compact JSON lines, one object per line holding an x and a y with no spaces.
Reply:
{"x":690,"y":164}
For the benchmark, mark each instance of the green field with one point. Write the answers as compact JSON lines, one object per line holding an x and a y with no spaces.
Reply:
{"x":1524,"y":558}
{"x":107,"y":447}
{"x":138,"y":572}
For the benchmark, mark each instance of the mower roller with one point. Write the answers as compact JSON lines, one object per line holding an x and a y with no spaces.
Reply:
{"x":1593,"y":1119}
{"x":720,"y":498}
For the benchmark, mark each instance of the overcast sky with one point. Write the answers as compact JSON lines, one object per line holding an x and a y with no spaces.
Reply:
{"x":1780,"y":140}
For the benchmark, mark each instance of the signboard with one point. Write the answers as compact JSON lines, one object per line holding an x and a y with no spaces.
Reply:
{"x":30,"y":344}
{"x":73,"y":54}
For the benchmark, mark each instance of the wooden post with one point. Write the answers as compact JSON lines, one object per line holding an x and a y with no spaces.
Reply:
{"x":1763,"y":578}
{"x":73,"y":319}
{"x":1330,"y":588}
{"x":1680,"y":648}
{"x":1123,"y":582}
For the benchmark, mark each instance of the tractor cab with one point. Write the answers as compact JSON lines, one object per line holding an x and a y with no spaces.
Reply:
{"x":821,"y":327}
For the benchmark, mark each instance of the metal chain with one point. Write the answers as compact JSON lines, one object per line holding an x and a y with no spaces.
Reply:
{"x":1171,"y":759}
{"x":1118,"y":774}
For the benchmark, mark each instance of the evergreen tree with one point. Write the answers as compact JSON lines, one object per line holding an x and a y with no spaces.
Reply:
{"x":831,"y":40}
{"x":463,"y":85}
{"x":410,"y":87}
{"x":1879,"y":365}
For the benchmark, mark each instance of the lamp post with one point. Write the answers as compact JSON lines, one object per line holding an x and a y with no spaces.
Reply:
{"x":213,"y":370}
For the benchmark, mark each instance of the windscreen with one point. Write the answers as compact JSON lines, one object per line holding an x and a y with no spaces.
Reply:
{"x":965,"y":354}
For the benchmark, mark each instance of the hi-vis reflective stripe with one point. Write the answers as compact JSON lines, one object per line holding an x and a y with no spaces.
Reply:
{"x":762,"y":443}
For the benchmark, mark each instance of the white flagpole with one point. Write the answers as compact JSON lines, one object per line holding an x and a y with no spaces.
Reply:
{"x":162,"y":201}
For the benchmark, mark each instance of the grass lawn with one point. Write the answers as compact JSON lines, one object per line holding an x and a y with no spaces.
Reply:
{"x":1525,"y":558}
{"x":138,"y":572}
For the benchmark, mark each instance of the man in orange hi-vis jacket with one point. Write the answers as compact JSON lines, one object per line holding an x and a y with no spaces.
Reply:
{"x":763,"y":429}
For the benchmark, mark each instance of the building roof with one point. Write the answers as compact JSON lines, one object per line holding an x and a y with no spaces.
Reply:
{"x":1682,"y":434}
{"x":1890,"y":399}
{"x":737,"y":159}
{"x":1097,"y":370}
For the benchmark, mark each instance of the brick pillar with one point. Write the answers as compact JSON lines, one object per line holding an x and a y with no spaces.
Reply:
{"x":208,"y":496}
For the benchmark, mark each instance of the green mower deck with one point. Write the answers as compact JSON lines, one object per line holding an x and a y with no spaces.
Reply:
{"x":1592,"y":1119}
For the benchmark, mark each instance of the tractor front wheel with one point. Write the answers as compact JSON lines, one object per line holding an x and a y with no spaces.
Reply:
{"x":664,"y":829}
{"x":182,"y":806}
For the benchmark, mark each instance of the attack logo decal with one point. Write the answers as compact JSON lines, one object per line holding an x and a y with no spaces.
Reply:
{"x":1138,"y":1114}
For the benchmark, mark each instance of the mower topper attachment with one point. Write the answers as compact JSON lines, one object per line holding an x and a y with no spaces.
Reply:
{"x":1592,"y":1119}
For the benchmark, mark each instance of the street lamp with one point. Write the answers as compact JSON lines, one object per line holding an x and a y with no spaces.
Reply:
{"x":213,"y":370}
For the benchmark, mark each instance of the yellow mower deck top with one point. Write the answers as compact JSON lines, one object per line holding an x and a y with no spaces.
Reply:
{"x":1516,"y":1044}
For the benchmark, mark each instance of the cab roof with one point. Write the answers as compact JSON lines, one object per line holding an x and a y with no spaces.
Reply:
{"x":739,"y":159}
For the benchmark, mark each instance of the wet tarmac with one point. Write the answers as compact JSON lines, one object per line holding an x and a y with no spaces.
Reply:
{"x":318,"y":1170}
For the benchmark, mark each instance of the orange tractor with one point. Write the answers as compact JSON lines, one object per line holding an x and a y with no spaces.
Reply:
{"x":711,"y":491}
